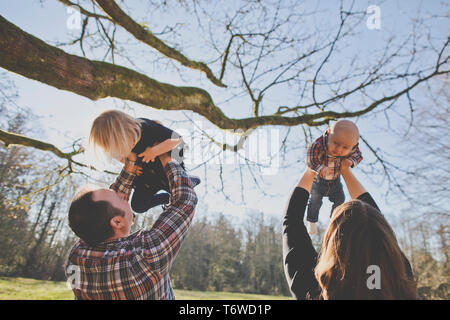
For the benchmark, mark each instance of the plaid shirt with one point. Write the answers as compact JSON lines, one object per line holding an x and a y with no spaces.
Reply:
{"x":137,"y":266}
{"x":124,"y":181}
{"x":317,"y":158}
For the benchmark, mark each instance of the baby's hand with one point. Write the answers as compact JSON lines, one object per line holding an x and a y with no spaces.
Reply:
{"x":324,"y":172}
{"x":147,"y":155}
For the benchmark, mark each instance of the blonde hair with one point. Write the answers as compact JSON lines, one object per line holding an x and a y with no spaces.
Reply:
{"x":116,"y":133}
{"x":360,"y":236}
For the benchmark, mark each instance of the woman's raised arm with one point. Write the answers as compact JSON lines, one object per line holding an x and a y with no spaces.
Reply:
{"x":299,"y":255}
{"x":355,"y":188}
{"x":307,"y":179}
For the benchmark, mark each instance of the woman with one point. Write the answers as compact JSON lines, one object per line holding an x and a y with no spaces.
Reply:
{"x":358,"y":237}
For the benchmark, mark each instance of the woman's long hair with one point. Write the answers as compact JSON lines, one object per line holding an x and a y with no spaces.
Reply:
{"x":359,"y":237}
{"x":116,"y":133}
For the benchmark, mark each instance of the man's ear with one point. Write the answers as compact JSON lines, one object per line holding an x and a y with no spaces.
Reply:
{"x":116,"y":222}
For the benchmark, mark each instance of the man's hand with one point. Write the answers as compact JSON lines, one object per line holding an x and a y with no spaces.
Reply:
{"x":138,"y":170}
{"x":123,"y":196}
{"x":132,"y":156}
{"x":324,"y":172}
{"x":147,"y":155}
{"x":131,"y":166}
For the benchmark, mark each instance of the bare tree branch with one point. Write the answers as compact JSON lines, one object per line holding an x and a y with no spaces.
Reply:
{"x":11,"y":139}
{"x":146,"y":36}
{"x":85,"y":12}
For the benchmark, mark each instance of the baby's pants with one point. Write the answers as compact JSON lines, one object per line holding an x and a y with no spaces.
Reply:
{"x":324,"y":188}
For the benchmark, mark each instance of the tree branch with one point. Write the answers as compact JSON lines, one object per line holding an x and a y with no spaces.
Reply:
{"x":146,"y":36}
{"x":31,"y":57}
{"x":9,"y":138}
{"x":84,"y":11}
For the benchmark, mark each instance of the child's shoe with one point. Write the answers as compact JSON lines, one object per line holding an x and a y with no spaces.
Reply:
{"x":312,"y":228}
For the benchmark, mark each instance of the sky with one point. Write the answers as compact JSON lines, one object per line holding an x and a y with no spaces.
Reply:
{"x":66,"y":116}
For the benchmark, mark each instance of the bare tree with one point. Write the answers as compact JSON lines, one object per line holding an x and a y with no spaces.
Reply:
{"x":252,"y":50}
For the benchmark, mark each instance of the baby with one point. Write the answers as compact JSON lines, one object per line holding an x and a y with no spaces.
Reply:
{"x":338,"y":147}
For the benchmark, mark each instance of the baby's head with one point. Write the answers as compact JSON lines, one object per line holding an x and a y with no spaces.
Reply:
{"x":116,"y":133}
{"x":343,"y":137}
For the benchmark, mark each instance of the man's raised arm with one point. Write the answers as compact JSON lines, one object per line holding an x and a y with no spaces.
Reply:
{"x":161,"y":243}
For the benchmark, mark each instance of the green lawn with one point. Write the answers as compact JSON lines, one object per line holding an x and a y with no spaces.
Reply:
{"x":31,"y":289}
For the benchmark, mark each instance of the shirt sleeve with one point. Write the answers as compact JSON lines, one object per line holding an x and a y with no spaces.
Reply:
{"x":159,"y":133}
{"x":355,"y":157}
{"x":161,"y":243}
{"x":124,"y":181}
{"x":367,"y":198}
{"x":313,"y":157}
{"x":299,"y":255}
{"x":153,"y":133}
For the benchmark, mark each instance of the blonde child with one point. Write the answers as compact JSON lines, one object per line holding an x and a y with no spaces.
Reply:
{"x":137,"y":143}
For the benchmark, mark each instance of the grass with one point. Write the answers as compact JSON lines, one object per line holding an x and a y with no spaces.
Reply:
{"x":32,"y":289}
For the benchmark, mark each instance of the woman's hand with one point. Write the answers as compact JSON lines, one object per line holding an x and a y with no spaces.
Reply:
{"x":148,"y":155}
{"x":323,"y":173}
{"x":307,"y":179}
{"x":346,"y":163}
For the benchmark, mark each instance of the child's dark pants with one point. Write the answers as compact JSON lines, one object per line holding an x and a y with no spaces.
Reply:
{"x":146,"y":187}
{"x":324,"y":188}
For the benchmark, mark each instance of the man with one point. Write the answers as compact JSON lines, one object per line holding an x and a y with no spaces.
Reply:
{"x":109,"y":263}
